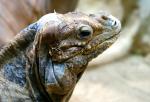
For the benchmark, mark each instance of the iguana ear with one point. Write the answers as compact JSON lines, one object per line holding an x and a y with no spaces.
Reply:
{"x":49,"y":32}
{"x":21,"y":41}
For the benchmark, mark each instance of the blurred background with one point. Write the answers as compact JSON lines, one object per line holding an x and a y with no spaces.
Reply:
{"x":120,"y":74}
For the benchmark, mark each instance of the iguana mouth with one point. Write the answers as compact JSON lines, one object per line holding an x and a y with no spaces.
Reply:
{"x":98,"y":41}
{"x":68,"y":52}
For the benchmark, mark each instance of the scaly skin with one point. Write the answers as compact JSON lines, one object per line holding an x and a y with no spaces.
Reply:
{"x":50,"y":56}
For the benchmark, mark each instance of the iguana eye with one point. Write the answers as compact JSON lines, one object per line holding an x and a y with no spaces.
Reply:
{"x":85,"y":32}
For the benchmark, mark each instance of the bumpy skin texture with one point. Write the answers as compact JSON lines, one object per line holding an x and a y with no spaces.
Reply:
{"x":50,"y":56}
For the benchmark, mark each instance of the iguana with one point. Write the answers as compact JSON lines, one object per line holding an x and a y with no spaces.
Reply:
{"x":44,"y":61}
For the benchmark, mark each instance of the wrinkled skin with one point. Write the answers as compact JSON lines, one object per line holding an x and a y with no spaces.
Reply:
{"x":54,"y":52}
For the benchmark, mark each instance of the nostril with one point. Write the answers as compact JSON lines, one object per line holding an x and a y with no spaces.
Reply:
{"x":115,"y":23}
{"x":104,"y":17}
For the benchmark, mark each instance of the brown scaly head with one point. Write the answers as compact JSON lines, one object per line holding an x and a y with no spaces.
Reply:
{"x":77,"y":33}
{"x":73,"y":39}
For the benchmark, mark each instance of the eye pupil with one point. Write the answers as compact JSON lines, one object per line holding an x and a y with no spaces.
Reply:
{"x":85,"y":32}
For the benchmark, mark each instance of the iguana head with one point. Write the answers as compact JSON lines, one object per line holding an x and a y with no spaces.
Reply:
{"x":77,"y":33}
{"x":74,"y":39}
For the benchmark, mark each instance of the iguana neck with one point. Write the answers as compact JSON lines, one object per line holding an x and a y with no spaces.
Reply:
{"x":20,"y":64}
{"x":20,"y":71}
{"x":21,"y":41}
